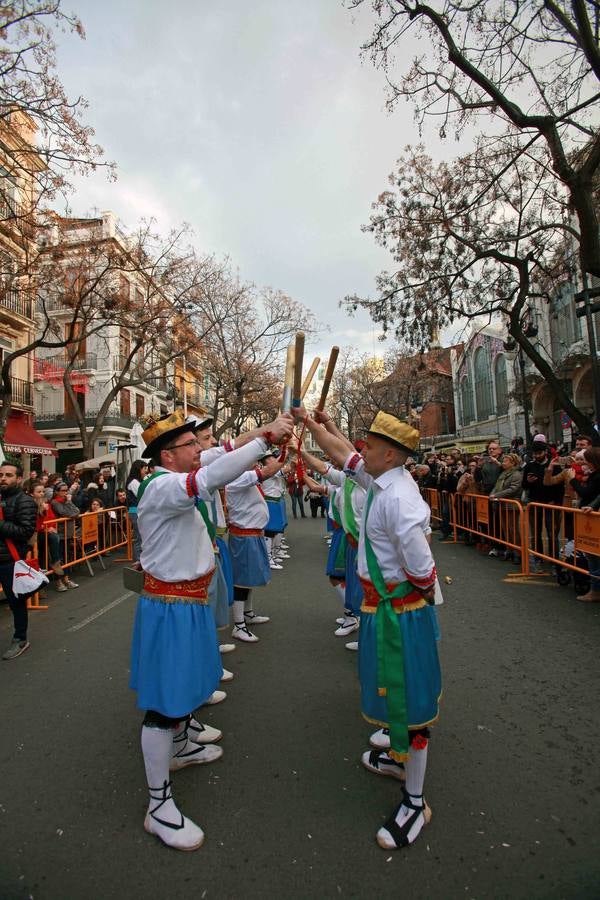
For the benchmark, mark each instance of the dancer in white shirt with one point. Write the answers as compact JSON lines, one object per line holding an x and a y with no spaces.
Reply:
{"x":398,"y":661}
{"x":248,"y":515}
{"x":175,"y":661}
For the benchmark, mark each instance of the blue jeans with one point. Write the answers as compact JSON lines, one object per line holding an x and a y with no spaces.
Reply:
{"x":297,"y":501}
{"x":594,"y":567}
{"x":17,"y":602}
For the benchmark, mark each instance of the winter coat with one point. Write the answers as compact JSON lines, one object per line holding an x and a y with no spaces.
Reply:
{"x":508,"y":485}
{"x":20,"y":513}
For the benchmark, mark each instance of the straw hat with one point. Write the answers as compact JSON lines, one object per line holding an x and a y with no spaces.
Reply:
{"x":398,"y":433}
{"x":164,"y":430}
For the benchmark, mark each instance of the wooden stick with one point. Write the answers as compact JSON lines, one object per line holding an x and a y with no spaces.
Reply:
{"x":286,"y":403}
{"x":298,"y":360}
{"x":328,"y":376}
{"x":311,"y":374}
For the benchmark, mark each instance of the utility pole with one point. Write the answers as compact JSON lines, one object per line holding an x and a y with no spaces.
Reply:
{"x":586,"y":311}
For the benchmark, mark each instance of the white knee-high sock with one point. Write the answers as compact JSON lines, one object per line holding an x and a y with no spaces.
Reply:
{"x":248,"y":602}
{"x":277,"y":542}
{"x":341,"y":590}
{"x":269,"y":543}
{"x":414,"y":768}
{"x":157,"y":747}
{"x":238,"y":612}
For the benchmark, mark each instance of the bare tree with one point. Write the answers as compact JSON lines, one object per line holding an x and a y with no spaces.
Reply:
{"x":528,"y":71}
{"x":468,"y":245}
{"x":97,"y":286}
{"x":245,"y":350}
{"x":51,"y":141}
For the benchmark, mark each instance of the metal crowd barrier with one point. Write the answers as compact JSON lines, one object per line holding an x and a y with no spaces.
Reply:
{"x":85,"y":537}
{"x":558,"y":535}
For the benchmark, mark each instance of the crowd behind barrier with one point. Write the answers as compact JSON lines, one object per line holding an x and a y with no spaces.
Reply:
{"x":530,"y":505}
{"x":76,"y":524}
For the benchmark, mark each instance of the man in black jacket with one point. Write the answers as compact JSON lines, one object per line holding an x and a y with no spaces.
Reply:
{"x":18,"y":525}
{"x":549,"y":495}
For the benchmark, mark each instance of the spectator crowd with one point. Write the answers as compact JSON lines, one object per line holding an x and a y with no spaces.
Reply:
{"x":541,"y":474}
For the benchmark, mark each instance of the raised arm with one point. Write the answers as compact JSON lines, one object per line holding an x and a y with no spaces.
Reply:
{"x":316,"y":464}
{"x":323,"y":418}
{"x":335,"y":449}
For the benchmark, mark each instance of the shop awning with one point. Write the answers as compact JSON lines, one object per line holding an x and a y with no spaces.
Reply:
{"x":108,"y":459}
{"x":20,"y":437}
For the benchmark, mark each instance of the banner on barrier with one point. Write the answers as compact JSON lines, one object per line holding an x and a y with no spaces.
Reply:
{"x":587,"y":533}
{"x":483,"y":510}
{"x":89,"y":530}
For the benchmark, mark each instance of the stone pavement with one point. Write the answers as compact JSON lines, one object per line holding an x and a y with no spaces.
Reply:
{"x":513,"y":779}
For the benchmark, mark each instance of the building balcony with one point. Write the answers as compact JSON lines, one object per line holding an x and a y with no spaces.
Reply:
{"x":61,"y":361}
{"x":22,"y":393}
{"x":17,"y":302}
{"x":56,"y":421}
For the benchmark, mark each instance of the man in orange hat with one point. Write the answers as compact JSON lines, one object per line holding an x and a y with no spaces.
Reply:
{"x":398,"y":661}
{"x":175,"y":660}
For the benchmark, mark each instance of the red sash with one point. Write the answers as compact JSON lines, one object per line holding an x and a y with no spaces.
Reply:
{"x":197,"y":588}
{"x":245,"y":532}
{"x":372,"y":598}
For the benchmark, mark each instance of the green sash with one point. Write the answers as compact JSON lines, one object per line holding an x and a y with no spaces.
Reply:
{"x":390,"y":650}
{"x":351,"y":525}
{"x":200,"y":504}
{"x":335,"y":513}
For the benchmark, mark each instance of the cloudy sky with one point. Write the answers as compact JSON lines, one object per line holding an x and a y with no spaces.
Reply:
{"x":258,"y":124}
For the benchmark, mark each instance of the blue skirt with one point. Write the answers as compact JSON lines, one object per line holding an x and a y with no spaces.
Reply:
{"x":218,"y":596}
{"x":250,"y":560}
{"x":175,"y":659}
{"x":227,"y":568}
{"x":354,"y":591}
{"x":422,"y":675}
{"x":276,"y":521}
{"x":336,"y":560}
{"x":283,"y":511}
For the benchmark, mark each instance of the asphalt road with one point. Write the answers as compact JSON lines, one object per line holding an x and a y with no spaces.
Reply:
{"x":289,"y":812}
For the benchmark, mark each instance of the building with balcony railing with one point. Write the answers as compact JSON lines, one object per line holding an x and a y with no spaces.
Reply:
{"x":18,"y":167}
{"x":100,"y":359}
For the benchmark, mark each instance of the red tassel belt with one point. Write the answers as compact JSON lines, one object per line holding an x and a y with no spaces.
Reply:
{"x":246,"y":532}
{"x":197,"y":589}
{"x":371,"y":598}
{"x":335,"y":525}
{"x":352,"y":541}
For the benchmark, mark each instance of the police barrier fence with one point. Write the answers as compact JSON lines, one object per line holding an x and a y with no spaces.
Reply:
{"x":567,"y":538}
{"x":80,"y":539}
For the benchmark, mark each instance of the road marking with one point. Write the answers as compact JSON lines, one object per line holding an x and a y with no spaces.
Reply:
{"x":529,"y":579}
{"x":101,"y":612}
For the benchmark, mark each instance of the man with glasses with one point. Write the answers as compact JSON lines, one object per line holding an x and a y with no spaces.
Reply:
{"x":175,"y":660}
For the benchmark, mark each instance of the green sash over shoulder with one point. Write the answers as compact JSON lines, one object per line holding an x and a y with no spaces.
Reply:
{"x":351,"y":525}
{"x":340,"y":557}
{"x":200,"y":504}
{"x":390,"y":650}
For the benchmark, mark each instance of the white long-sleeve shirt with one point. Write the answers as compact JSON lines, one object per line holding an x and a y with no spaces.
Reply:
{"x":246,"y":506}
{"x":358,"y":496}
{"x":175,"y":543}
{"x":274,"y":486}
{"x":397,"y":522}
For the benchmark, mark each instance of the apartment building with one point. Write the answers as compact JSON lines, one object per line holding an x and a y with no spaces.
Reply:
{"x":19,"y":165}
{"x":161,"y":381}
